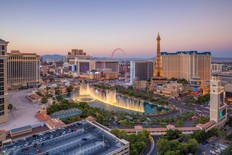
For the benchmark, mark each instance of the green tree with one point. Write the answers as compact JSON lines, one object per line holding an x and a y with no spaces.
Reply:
{"x":163,"y":124}
{"x":183,"y":147}
{"x":10,"y":107}
{"x":177,"y":152}
{"x":139,"y":145}
{"x":173,"y":134}
{"x":130,"y":88}
{"x":203,"y":99}
{"x":57,"y":91}
{"x":59,"y":98}
{"x":173,"y":144}
{"x":228,"y":150}
{"x":201,"y":120}
{"x":44,"y":100}
{"x":39,"y":93}
{"x":162,"y":146}
{"x":126,"y":123}
{"x":69,"y":89}
{"x":192,"y":145}
{"x":137,"y":141}
{"x":189,"y":99}
{"x":222,"y":134}
{"x":179,"y":123}
{"x":200,"y":135}
{"x":229,"y":121}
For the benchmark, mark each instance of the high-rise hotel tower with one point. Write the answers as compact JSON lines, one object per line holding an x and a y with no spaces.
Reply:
{"x":3,"y":82}
{"x":187,"y":65}
{"x":23,"y":69}
{"x":218,"y":107}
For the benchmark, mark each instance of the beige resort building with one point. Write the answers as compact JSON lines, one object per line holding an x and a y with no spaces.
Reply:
{"x":187,"y":65}
{"x":23,"y":69}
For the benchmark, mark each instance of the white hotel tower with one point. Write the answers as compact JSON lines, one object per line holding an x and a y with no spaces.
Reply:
{"x":218,"y":107}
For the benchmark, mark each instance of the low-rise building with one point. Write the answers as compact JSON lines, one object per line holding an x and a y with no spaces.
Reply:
{"x":141,"y":84}
{"x":173,"y":89}
{"x":33,"y":97}
{"x":94,"y":75}
{"x":82,"y":137}
{"x":108,"y":74}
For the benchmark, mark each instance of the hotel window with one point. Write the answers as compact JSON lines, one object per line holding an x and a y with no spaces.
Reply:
{"x":1,"y":92}
{"x":2,"y":113}
{"x":1,"y":61}
{"x":3,"y":48}
{"x":1,"y":107}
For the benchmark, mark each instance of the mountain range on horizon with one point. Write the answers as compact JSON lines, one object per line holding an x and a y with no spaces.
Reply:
{"x":59,"y":57}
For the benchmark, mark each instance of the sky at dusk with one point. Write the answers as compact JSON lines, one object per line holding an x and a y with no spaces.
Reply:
{"x":100,"y":26}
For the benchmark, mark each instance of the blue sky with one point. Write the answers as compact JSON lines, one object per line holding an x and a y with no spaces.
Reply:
{"x":98,"y":27}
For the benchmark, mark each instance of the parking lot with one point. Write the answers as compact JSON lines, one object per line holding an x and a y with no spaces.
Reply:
{"x":80,"y":138}
{"x":23,"y":112}
{"x":211,"y":148}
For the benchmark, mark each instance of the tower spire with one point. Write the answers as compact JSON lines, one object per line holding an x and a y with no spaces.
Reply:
{"x":158,"y":37}
{"x":158,"y":71}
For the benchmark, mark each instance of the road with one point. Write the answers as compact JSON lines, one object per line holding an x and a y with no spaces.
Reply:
{"x":205,"y":149}
{"x":180,"y":105}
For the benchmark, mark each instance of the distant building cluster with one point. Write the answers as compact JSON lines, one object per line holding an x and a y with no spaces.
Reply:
{"x":18,"y":69}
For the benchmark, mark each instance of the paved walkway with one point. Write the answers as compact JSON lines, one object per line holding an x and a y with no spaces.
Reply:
{"x":152,"y":145}
{"x":23,"y":112}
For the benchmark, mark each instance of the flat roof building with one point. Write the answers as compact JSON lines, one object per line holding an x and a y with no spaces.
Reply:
{"x":141,"y":70}
{"x":82,"y":138}
{"x":81,"y":63}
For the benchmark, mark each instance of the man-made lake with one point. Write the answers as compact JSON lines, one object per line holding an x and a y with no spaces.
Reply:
{"x":110,"y":100}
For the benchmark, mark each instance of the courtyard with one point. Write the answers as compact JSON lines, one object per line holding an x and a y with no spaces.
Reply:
{"x":23,"y":112}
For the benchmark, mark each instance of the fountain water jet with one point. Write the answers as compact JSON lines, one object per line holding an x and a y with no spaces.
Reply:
{"x":111,"y":97}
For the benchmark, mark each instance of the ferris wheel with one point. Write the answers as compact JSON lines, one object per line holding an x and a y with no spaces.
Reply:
{"x":124,"y":69}
{"x":118,"y":50}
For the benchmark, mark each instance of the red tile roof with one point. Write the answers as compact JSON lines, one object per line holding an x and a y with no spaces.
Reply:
{"x":42,"y":117}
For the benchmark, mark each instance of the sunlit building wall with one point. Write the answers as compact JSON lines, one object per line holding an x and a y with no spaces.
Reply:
{"x":187,"y":64}
{"x":23,"y":69}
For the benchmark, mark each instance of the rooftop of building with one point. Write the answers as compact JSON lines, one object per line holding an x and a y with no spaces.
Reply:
{"x":228,"y":87}
{"x":186,"y":52}
{"x":66,"y":113}
{"x":17,"y":52}
{"x":20,"y":129}
{"x":3,"y":41}
{"x":79,"y":138}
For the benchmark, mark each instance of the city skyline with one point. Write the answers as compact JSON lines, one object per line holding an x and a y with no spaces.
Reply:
{"x":100,"y":27}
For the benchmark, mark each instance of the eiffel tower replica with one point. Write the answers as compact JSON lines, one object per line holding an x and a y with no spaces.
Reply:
{"x":158,"y":78}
